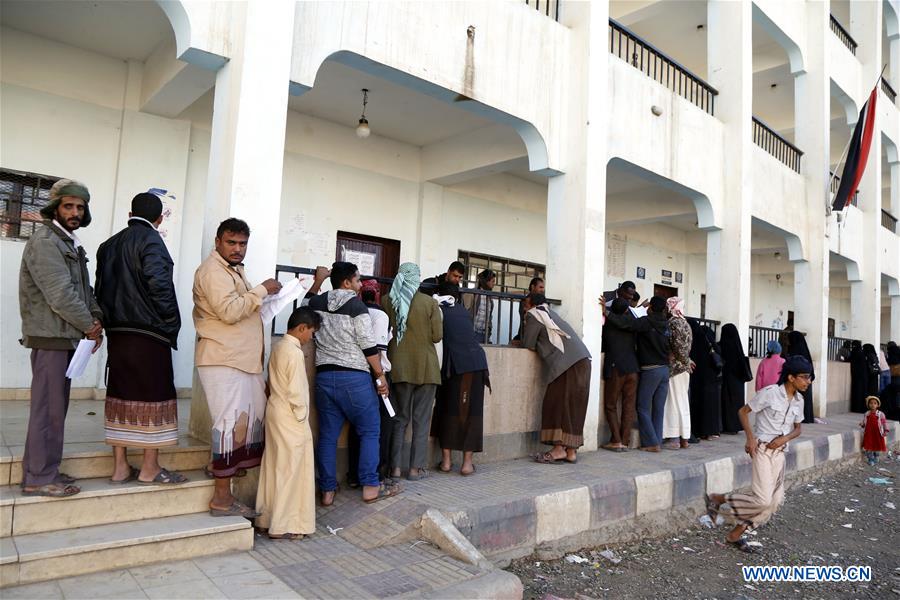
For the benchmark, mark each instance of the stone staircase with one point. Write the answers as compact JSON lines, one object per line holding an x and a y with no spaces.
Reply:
{"x":110,"y":526}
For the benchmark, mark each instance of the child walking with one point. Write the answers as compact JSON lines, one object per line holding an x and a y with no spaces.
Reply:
{"x":875,"y":430}
{"x":286,"y":497}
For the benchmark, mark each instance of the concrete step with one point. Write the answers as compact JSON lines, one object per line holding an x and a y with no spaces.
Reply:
{"x":101,"y":502}
{"x":86,"y":460}
{"x":51,"y":555}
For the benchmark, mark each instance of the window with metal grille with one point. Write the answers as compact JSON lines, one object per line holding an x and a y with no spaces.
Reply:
{"x":513,"y":276}
{"x":22,"y":196}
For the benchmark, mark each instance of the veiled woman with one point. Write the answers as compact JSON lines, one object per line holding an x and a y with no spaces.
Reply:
{"x":735,"y":374}
{"x":706,"y":383}
{"x":797,"y":347}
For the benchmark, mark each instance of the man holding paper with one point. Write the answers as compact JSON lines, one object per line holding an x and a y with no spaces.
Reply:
{"x":137,"y":295}
{"x":58,"y":309}
{"x":229,"y":359}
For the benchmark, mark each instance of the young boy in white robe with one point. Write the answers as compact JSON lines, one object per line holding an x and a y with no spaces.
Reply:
{"x":287,"y":490}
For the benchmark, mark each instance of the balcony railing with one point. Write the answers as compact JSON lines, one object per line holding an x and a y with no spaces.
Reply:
{"x":760,"y":338}
{"x":834,"y":347}
{"x":766,"y":138}
{"x":836,"y":185}
{"x":842,"y":35}
{"x":888,"y":221}
{"x":504,"y":314}
{"x":654,"y":63}
{"x":549,"y":7}
{"x":888,"y":90}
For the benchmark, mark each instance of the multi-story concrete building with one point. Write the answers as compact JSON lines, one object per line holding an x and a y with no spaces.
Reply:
{"x":685,"y":145}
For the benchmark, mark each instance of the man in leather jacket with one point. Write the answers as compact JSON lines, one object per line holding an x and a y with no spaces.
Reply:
{"x":137,"y":295}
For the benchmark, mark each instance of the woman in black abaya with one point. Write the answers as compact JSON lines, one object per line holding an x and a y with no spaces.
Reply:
{"x":859,"y":378}
{"x":706,"y":383}
{"x":798,"y":347}
{"x":735,"y":375}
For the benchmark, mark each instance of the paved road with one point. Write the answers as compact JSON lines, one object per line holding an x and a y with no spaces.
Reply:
{"x":814,"y":527}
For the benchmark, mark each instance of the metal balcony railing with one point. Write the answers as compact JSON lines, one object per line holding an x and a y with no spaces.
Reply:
{"x":836,"y":185}
{"x":505,"y":315}
{"x":549,"y":7}
{"x":654,"y":63}
{"x":760,"y":338}
{"x":766,"y":138}
{"x":888,"y":90}
{"x":842,"y":35}
{"x":888,"y":221}
{"x":834,"y":347}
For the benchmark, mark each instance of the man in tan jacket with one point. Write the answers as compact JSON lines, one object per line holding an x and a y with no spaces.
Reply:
{"x":229,"y":359}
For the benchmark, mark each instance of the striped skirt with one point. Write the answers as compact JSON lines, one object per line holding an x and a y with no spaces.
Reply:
{"x":141,"y":409}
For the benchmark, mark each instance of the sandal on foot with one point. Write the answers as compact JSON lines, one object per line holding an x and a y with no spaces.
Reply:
{"x":239,"y":473}
{"x":235,"y":510}
{"x":422,"y":474}
{"x":546,"y":458}
{"x":165,"y":477}
{"x":712,"y":508}
{"x":52,"y":490}
{"x":384,"y":491}
{"x":466,"y":474}
{"x":741,"y":544}
{"x":322,"y":497}
{"x":287,"y":536}
{"x":440,"y":469}
{"x":572,"y":461}
{"x":64,"y":478}
{"x":132,"y":475}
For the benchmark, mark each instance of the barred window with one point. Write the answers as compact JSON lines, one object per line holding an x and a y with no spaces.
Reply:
{"x":513,"y":276}
{"x":22,"y":196}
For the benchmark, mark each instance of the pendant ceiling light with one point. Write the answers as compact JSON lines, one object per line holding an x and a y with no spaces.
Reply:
{"x":362,"y":130}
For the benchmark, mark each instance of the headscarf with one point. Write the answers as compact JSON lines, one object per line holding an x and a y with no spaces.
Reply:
{"x":676,"y":307}
{"x":404,"y":288}
{"x":731,"y":346}
{"x":773,"y":347}
{"x":68,"y":187}
{"x":554,"y":333}
{"x":371,"y":285}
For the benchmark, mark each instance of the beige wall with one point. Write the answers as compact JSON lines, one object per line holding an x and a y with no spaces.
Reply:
{"x":838,"y":387}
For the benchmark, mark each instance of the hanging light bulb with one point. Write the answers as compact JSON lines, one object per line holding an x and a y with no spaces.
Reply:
{"x":362,"y":130}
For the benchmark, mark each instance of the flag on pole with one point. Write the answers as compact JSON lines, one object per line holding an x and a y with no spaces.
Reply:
{"x":860,"y":144}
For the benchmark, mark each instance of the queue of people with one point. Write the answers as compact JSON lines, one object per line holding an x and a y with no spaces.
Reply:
{"x":378,"y":366}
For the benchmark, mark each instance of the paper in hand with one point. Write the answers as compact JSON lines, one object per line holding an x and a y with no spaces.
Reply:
{"x":388,"y":406}
{"x":80,"y":359}
{"x":290,"y":291}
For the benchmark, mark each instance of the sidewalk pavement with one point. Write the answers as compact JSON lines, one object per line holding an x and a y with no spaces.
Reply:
{"x":506,"y":510}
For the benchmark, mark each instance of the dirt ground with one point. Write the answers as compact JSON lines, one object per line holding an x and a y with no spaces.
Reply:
{"x":841,"y":519}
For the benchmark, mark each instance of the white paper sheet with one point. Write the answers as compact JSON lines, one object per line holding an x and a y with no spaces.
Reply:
{"x":290,"y":291}
{"x":80,"y":359}
{"x":388,"y":406}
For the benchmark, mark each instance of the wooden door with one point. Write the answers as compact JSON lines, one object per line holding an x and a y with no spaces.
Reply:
{"x":664,"y":291}
{"x":375,"y":256}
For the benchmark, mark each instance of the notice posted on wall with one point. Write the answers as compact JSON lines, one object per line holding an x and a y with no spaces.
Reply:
{"x":364,"y":261}
{"x":615,"y":254}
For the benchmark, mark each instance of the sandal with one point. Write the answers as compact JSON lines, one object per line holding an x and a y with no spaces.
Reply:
{"x":287,"y":536}
{"x":52,"y":490}
{"x":741,"y":544}
{"x":712,"y":508}
{"x":472,"y":472}
{"x":132,"y":475}
{"x":440,"y":469}
{"x":235,"y":510}
{"x":64,"y":478}
{"x":573,"y":461}
{"x":322,"y":497}
{"x":422,"y":474}
{"x":239,"y":473}
{"x":546,"y":458}
{"x":165,"y":477}
{"x":384,"y":491}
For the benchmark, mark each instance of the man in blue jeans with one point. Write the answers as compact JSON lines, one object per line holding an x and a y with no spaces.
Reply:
{"x":653,"y":357}
{"x":345,"y":353}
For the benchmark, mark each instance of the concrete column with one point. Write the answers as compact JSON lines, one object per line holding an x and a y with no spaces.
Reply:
{"x":247,"y":145}
{"x":812,"y":127}
{"x":894,"y":206}
{"x":895,"y":319}
{"x":428,"y":255}
{"x":576,"y":201}
{"x":730,"y":68}
{"x":865,"y":295}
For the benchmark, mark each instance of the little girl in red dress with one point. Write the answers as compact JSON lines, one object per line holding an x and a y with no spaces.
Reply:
{"x":875,"y":432}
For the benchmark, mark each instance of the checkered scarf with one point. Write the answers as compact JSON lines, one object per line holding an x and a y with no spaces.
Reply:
{"x":405,"y":286}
